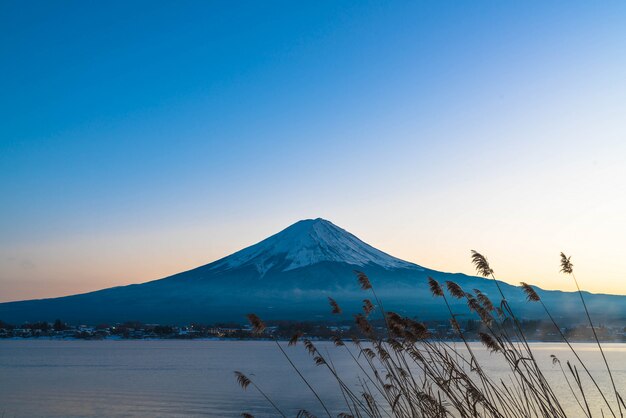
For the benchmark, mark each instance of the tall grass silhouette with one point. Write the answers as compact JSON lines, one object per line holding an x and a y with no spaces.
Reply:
{"x":407,"y":372}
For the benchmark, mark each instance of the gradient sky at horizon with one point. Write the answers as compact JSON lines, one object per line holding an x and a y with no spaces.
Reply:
{"x":140,"y":139}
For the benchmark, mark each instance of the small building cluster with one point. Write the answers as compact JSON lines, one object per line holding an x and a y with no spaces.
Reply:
{"x":534,"y":330}
{"x":128,"y":330}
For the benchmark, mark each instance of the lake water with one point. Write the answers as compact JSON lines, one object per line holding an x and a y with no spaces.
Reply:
{"x":50,"y":378}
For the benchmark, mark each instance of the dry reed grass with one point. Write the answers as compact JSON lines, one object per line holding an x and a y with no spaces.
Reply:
{"x":408,"y":373}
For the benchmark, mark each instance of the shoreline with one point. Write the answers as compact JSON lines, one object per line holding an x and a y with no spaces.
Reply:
{"x":282,"y":340}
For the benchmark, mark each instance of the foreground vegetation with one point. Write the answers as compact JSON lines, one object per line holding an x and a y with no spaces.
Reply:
{"x":409,"y":372}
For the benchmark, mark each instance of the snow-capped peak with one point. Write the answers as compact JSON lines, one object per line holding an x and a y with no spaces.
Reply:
{"x":308,"y":242}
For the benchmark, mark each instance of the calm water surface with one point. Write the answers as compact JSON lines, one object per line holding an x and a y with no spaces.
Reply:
{"x":47,"y":378}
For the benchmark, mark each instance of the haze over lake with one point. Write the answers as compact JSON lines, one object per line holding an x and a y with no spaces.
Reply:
{"x":48,"y":378}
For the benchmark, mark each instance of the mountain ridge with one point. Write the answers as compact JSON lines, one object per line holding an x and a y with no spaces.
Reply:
{"x":289,"y":275}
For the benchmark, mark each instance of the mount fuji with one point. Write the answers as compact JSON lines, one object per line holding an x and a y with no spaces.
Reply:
{"x":290,"y":276}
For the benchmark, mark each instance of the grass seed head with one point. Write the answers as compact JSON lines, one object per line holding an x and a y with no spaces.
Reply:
{"x":294,"y":338}
{"x":531,"y":294}
{"x":364,"y":281}
{"x":336,"y":309}
{"x":368,"y":306}
{"x":257,"y":325}
{"x":489,"y":342}
{"x":484,"y":300}
{"x":455,"y":290}
{"x":242,"y":380}
{"x":566,"y":265}
{"x":435,"y":288}
{"x":481,"y":264}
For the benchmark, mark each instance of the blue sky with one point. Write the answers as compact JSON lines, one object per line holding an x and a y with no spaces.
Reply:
{"x":141,"y":139}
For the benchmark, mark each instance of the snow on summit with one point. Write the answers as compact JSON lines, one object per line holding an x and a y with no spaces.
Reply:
{"x":308,"y":242}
